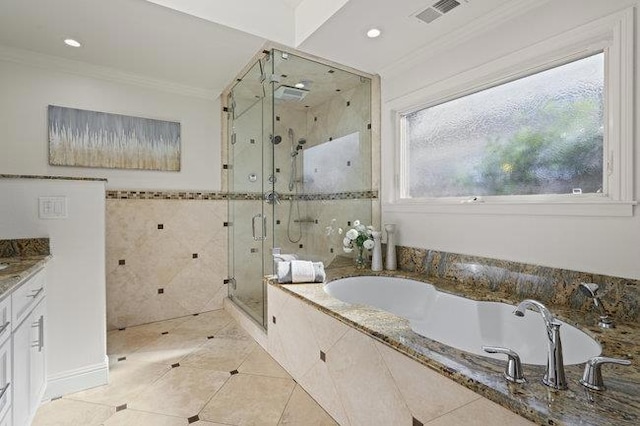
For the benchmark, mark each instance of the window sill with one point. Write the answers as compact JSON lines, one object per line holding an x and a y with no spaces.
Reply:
{"x":550,"y":208}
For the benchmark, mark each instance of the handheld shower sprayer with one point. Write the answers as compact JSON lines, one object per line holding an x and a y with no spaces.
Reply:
{"x":591,"y":291}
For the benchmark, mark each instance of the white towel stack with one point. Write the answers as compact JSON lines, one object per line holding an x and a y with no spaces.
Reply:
{"x":300,"y":271}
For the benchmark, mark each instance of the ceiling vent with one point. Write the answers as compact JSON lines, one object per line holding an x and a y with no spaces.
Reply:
{"x":288,"y":93}
{"x":437,"y":10}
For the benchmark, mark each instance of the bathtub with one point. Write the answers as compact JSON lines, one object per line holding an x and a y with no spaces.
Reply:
{"x":462,"y":323}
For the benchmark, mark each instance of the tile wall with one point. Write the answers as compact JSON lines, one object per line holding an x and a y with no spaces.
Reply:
{"x":165,"y":258}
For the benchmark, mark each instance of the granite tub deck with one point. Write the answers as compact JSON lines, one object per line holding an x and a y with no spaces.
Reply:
{"x":618,"y":405}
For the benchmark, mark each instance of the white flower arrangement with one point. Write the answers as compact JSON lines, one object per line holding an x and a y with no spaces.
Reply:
{"x":358,"y":236}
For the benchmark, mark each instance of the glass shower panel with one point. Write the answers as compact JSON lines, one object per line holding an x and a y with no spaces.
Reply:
{"x":299,"y":167}
{"x":249,"y":220}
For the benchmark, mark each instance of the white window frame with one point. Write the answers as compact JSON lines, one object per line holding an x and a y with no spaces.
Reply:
{"x":613,"y":35}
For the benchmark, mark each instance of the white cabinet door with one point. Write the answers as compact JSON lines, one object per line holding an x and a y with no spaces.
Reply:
{"x":37,"y":359}
{"x":21,"y":373}
{"x":6,"y":420}
{"x":5,"y":380}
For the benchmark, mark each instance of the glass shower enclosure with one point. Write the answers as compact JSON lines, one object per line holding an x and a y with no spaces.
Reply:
{"x":299,"y":166}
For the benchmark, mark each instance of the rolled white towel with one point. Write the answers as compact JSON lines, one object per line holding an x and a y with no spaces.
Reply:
{"x":300,"y":271}
{"x":285,"y":257}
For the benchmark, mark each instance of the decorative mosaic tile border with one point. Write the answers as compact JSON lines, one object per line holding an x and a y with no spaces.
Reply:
{"x":164,"y":195}
{"x":558,"y":287}
{"x":2,"y":176}
{"x":24,"y":247}
{"x":242,"y":196}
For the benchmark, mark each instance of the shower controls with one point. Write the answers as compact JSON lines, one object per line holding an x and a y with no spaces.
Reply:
{"x":272,"y":197}
{"x":252,"y":177}
{"x":273,"y":179}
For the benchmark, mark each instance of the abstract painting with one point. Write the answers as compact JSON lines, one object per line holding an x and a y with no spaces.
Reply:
{"x":97,"y":139}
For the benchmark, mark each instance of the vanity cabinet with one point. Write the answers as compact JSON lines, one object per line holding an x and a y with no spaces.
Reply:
{"x":5,"y":361}
{"x":29,"y":366}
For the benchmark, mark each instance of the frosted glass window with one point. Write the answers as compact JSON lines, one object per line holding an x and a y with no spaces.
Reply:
{"x":541,"y":134}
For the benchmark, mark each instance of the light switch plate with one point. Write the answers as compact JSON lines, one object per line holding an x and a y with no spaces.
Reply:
{"x":52,"y":207}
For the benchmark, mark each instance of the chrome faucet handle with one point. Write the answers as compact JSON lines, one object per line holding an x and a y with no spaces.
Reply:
{"x":591,"y":291}
{"x":592,"y":376}
{"x":513,"y":370}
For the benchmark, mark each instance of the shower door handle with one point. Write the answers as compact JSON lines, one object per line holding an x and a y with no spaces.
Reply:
{"x":264,"y":227}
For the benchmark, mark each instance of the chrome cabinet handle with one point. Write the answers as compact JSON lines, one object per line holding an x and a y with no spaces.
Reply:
{"x":592,"y":375}
{"x":37,"y":293}
{"x":40,"y":326}
{"x":513,"y":370}
{"x":4,"y":326}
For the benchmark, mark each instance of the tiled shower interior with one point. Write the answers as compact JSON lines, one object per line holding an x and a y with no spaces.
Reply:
{"x":311,"y":152}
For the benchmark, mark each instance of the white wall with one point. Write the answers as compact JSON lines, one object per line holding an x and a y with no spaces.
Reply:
{"x":76,"y":307}
{"x":27,"y":90}
{"x":606,"y":245}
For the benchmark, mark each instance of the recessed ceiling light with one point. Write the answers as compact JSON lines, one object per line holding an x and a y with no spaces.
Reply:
{"x":300,"y":85}
{"x":71,"y":42}
{"x":373,"y":33}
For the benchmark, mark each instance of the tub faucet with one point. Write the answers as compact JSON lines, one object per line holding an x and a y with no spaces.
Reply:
{"x":591,"y":290}
{"x":554,"y":376}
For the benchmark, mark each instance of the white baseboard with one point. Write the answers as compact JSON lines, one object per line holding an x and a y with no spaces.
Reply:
{"x":254,"y":330}
{"x":77,"y":380}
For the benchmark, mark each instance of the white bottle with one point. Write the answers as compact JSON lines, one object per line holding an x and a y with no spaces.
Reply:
{"x":390,"y":262}
{"x":376,"y":257}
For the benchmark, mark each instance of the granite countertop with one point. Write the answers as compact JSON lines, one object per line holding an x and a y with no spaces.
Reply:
{"x":618,"y":405}
{"x":19,"y":268}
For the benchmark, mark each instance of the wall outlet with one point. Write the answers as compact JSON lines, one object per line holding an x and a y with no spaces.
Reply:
{"x":52,"y":207}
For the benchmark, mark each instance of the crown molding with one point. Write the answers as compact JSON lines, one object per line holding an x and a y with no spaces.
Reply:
{"x":490,"y":20}
{"x":49,"y":62}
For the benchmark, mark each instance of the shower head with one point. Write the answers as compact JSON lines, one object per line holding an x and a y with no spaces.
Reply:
{"x":302,"y":141}
{"x":276,"y":139}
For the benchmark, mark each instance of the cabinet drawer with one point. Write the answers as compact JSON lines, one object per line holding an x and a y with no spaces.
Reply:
{"x":5,"y":319}
{"x":26,"y":296}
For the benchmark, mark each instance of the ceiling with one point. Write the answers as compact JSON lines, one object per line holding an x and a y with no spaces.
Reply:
{"x":152,"y":39}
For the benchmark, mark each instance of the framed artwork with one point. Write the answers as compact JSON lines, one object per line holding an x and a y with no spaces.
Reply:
{"x":84,"y":138}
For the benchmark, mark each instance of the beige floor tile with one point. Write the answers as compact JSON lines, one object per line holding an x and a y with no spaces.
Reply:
{"x":124,"y":342}
{"x":233,"y":331}
{"x":66,"y":412}
{"x":126,"y":380}
{"x":260,"y":362}
{"x":169,"y":348}
{"x":249,"y":400}
{"x":303,"y":410}
{"x":183,"y":392}
{"x":206,"y":324}
{"x":220,"y":354}
{"x":130,"y":417}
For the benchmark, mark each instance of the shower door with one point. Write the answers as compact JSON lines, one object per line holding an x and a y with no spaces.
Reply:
{"x":250,"y":126}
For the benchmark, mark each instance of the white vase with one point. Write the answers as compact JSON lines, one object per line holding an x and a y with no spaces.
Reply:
{"x":376,"y":257}
{"x":390,"y":262}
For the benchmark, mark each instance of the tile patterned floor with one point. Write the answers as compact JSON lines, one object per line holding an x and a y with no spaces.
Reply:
{"x":202,"y":370}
